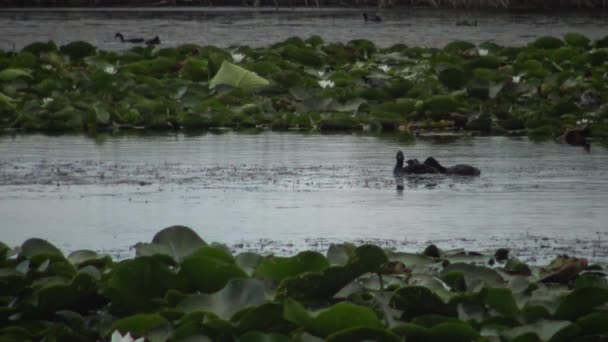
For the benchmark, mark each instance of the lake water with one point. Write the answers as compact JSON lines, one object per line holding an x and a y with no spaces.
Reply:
{"x":241,"y":26}
{"x":281,"y":192}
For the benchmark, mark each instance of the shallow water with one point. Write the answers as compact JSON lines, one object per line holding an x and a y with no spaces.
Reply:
{"x":281,"y":192}
{"x":241,"y":26}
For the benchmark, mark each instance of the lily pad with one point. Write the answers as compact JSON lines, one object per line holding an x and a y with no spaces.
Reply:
{"x":178,"y":242}
{"x":238,"y":77}
{"x":139,"y":324}
{"x":38,"y":250}
{"x":238,"y":294}
{"x":210,"y":269}
{"x":11,"y":74}
{"x":338,"y":317}
{"x":279,"y":268}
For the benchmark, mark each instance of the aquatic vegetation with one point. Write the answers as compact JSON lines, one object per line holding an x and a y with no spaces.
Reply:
{"x":545,"y":87}
{"x":179,"y":287}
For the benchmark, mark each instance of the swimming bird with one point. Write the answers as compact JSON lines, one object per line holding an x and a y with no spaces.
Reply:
{"x":459,"y":170}
{"x":153,"y":41}
{"x":375,"y":18}
{"x":413,"y":166}
{"x":130,"y":40}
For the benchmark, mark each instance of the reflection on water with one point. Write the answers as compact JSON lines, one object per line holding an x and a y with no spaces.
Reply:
{"x":237,"y":26}
{"x":278,"y":191}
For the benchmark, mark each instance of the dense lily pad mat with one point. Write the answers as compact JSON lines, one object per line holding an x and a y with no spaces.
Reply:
{"x":179,"y":288}
{"x":543,"y":89}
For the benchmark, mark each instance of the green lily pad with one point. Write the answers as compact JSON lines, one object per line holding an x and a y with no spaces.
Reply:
{"x":38,"y":250}
{"x":11,"y":74}
{"x":248,"y":261}
{"x":476,"y":275}
{"x":501,"y":300}
{"x":238,"y":294}
{"x":279,"y":268}
{"x":255,"y":336}
{"x":178,"y":242}
{"x":338,"y":254}
{"x":210,"y":269}
{"x":594,"y":324}
{"x":412,"y":332}
{"x":86,"y":257}
{"x":417,"y":300}
{"x":139,"y":324}
{"x":134,"y":284}
{"x":318,"y":286}
{"x":238,"y":77}
{"x":363,"y":334}
{"x":545,"y":330}
{"x":580,"y":302}
{"x":266,"y":317}
{"x":327,"y":321}
{"x":453,"y":332}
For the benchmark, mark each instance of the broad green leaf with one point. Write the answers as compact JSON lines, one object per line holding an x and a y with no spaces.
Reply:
{"x":363,"y":334}
{"x":139,"y":324}
{"x":545,"y":330}
{"x":248,"y":261}
{"x":327,"y":321}
{"x":177,"y":242}
{"x":580,"y":302}
{"x":266,"y":317}
{"x":238,"y":77}
{"x":14,"y":73}
{"x":238,"y":294}
{"x":594,"y":324}
{"x":417,"y":300}
{"x":209,"y":269}
{"x":279,"y":268}
{"x":476,"y":275}
{"x":134,"y":284}
{"x":38,"y":250}
{"x":255,"y":336}
{"x":338,"y":254}
{"x":453,"y":332}
{"x":501,"y":300}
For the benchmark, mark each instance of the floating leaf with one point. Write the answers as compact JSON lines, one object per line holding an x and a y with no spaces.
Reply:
{"x":325,"y":322}
{"x":38,"y":250}
{"x":278,"y":268}
{"x":235,"y":296}
{"x":238,"y":77}
{"x":210,"y":269}
{"x":176,"y":241}
{"x":139,"y":324}
{"x":14,"y":73}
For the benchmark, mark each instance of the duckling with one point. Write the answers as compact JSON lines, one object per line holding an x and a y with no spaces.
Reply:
{"x":375,"y":18}
{"x":130,"y":40}
{"x":153,"y":41}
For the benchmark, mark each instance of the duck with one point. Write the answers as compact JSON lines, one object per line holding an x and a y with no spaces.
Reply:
{"x":457,"y":170}
{"x":153,"y":41}
{"x":130,"y":40}
{"x":413,"y":166}
{"x":376,"y":18}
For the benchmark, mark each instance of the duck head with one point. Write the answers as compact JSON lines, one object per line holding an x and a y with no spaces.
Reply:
{"x":400,"y":156}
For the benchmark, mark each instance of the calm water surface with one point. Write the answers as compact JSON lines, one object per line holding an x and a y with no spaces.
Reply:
{"x":238,"y":26}
{"x":281,"y":192}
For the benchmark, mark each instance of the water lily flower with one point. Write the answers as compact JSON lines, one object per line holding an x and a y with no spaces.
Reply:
{"x":238,"y":57}
{"x":117,"y":337}
{"x":483,"y":52}
{"x":517,"y":79}
{"x":46,"y":101}
{"x":47,"y":67}
{"x":321,"y":73}
{"x":326,"y":84}
{"x":584,"y":122}
{"x":384,"y":67}
{"x":110,"y":69}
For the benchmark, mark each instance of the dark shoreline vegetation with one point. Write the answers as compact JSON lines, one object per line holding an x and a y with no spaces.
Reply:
{"x":543,"y":90}
{"x":178,"y":288}
{"x":501,"y":4}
